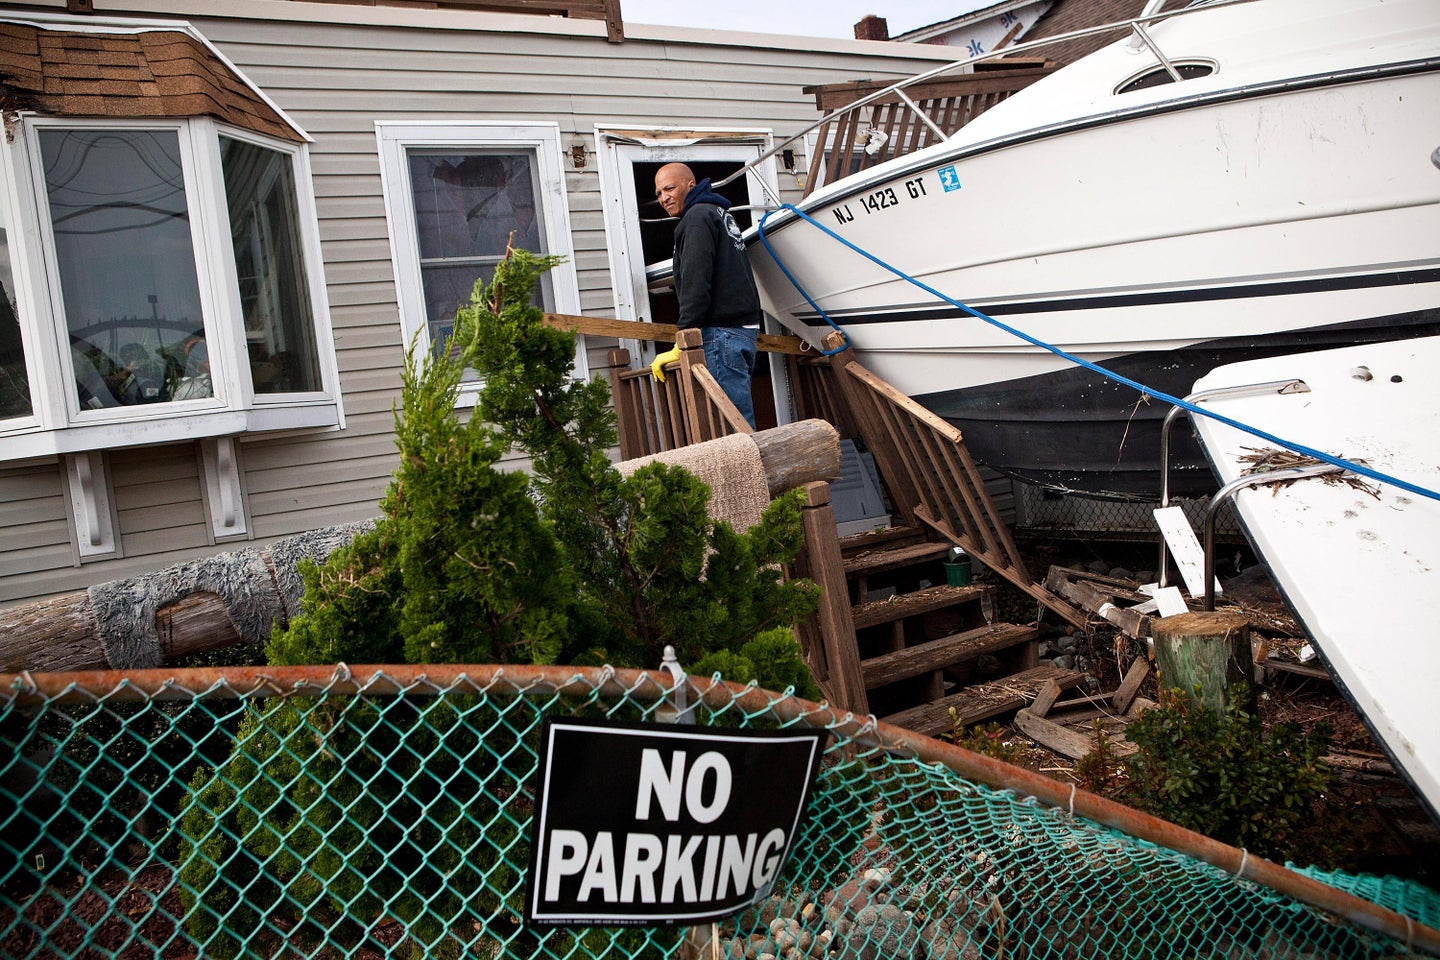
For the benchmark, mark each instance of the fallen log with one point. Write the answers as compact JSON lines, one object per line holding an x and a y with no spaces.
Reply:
{"x":239,"y":596}
{"x":143,"y":621}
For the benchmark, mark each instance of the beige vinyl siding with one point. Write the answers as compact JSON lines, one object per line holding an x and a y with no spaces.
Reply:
{"x":158,"y":497}
{"x":335,"y":79}
{"x":34,"y":528}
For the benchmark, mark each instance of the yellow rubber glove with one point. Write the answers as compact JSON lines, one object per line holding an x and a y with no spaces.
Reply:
{"x":657,"y":366}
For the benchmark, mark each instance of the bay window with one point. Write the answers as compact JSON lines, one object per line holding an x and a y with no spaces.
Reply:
{"x":162,"y":283}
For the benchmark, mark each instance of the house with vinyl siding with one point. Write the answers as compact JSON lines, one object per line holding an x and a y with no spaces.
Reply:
{"x":225,"y":223}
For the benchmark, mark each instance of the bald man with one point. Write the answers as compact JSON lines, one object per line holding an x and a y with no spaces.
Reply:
{"x":713,"y":284}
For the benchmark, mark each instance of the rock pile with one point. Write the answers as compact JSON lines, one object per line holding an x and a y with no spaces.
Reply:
{"x":869,"y":917}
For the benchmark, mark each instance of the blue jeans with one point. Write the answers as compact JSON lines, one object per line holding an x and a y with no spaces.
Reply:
{"x":730,"y":356}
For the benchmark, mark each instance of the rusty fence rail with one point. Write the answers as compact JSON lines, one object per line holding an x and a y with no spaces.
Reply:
{"x":385,"y":811}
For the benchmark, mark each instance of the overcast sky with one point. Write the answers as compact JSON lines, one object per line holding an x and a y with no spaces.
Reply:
{"x":806,"y":18}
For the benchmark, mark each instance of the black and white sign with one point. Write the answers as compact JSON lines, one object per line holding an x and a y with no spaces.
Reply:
{"x":645,"y":824}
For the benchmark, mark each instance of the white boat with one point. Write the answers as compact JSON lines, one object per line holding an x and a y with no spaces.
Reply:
{"x":1361,"y":570}
{"x":1284,"y":196}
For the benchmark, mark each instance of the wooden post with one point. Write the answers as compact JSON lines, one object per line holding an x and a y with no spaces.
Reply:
{"x":629,"y":419}
{"x":692,"y":354}
{"x":1205,"y":649}
{"x":839,"y":668}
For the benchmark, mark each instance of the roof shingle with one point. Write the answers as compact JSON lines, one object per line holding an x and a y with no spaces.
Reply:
{"x":154,"y":73}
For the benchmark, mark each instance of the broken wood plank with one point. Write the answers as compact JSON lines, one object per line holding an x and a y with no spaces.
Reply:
{"x":1046,"y":698}
{"x":1099,"y":602}
{"x":1299,"y":669}
{"x":921,"y":658}
{"x":1130,"y":686}
{"x":983,"y":700}
{"x":1063,"y":740}
{"x":1123,"y":589}
{"x":1138,"y":706}
{"x":1082,"y":699}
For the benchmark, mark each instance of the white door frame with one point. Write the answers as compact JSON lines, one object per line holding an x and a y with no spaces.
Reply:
{"x":618,"y":148}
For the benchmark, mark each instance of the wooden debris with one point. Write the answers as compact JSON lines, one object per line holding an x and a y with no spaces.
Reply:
{"x":1065,"y":741}
{"x":1269,"y":459}
{"x":983,"y":701}
{"x":1104,"y":597}
{"x":1045,"y":699}
{"x":1130,"y":686}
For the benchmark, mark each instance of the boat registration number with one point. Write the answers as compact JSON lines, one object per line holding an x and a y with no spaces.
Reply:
{"x":879,"y":201}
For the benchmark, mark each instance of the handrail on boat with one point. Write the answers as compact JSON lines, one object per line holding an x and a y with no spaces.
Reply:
{"x":1136,"y":25}
{"x":1241,"y":483}
{"x":1289,"y":385}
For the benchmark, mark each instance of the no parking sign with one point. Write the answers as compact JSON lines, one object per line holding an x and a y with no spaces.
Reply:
{"x":641,"y":824}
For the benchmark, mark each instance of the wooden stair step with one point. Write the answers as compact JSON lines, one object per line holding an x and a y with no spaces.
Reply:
{"x":983,"y":700}
{"x":938,"y":654}
{"x":901,"y":605}
{"x":881,"y":539}
{"x":875,"y":561}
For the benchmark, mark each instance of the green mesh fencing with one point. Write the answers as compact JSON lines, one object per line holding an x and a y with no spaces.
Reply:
{"x":311,"y":812}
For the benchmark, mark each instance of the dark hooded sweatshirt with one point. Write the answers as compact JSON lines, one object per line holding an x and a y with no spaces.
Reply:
{"x":713,"y":283}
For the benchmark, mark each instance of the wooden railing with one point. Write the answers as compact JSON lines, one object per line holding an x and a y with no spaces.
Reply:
{"x":688,"y":407}
{"x":932,"y":480}
{"x":891,"y":125}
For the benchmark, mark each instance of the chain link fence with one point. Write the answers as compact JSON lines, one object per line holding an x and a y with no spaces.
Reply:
{"x":385,"y":812}
{"x":1044,"y":513}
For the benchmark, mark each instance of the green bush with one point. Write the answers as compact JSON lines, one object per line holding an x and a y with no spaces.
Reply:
{"x":329,"y":815}
{"x":1226,"y":776}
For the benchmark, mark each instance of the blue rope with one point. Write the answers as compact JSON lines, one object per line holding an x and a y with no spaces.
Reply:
{"x":796,"y":283}
{"x":1356,"y":468}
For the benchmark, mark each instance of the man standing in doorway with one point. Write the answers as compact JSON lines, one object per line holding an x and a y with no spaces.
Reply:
{"x":713,"y":284}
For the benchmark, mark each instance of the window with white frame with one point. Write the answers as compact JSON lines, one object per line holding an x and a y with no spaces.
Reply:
{"x":456,"y":195}
{"x":169,"y":274}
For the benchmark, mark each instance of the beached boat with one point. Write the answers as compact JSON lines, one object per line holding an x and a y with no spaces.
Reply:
{"x":1357,"y":559}
{"x":1283,"y":196}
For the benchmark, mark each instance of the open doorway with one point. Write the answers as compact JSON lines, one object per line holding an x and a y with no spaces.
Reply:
{"x":657,"y":229}
{"x":640,"y":234}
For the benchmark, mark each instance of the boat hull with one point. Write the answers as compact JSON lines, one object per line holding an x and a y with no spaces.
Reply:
{"x":1261,"y":214}
{"x":1076,"y":430}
